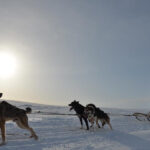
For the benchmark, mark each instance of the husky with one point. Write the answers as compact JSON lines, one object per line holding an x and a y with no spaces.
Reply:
{"x":95,"y":114}
{"x":9,"y":112}
{"x":79,"y":109}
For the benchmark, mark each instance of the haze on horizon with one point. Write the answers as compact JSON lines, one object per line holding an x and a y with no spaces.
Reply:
{"x":94,"y":51}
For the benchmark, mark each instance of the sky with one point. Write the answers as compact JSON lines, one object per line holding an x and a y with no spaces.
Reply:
{"x":93,"y":51}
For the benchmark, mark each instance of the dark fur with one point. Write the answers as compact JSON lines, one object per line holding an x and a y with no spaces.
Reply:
{"x":98,"y":114}
{"x":1,"y":94}
{"x":10,"y":112}
{"x":79,"y":109}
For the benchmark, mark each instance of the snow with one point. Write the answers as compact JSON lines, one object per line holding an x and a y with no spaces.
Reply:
{"x":62,"y":132}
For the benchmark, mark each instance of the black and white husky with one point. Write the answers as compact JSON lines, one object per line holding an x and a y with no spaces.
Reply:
{"x":79,"y":109}
{"x":95,"y":114}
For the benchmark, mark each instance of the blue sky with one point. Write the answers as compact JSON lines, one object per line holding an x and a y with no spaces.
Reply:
{"x":90,"y":50}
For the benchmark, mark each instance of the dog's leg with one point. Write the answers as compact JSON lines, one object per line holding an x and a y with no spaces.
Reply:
{"x":23,"y":123}
{"x":91,"y":123}
{"x":91,"y":120}
{"x":103,"y":123}
{"x":80,"y":118}
{"x":98,"y":124}
{"x":33,"y":134}
{"x":108,"y":122}
{"x":86,"y":122}
{"x":110,"y":125}
{"x":2,"y":126}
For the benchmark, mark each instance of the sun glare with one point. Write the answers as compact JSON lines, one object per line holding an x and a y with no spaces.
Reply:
{"x":8,"y":65}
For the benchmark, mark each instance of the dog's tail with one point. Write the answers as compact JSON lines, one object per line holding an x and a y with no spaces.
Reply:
{"x":28,"y":110}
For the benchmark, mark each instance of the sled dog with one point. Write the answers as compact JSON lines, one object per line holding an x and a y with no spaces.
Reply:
{"x":79,"y":109}
{"x":94,"y":114}
{"x":10,"y":112}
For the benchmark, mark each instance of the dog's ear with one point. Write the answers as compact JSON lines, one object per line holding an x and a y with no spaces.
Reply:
{"x":77,"y":102}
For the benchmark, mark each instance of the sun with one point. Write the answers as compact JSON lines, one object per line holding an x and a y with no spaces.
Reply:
{"x":8,"y":65}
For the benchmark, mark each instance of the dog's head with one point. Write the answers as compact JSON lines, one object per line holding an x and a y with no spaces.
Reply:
{"x":73,"y":104}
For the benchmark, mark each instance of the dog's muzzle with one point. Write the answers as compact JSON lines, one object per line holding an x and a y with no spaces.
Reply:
{"x":71,"y":108}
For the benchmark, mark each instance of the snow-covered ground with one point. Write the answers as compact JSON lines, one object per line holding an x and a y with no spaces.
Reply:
{"x":62,"y":132}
